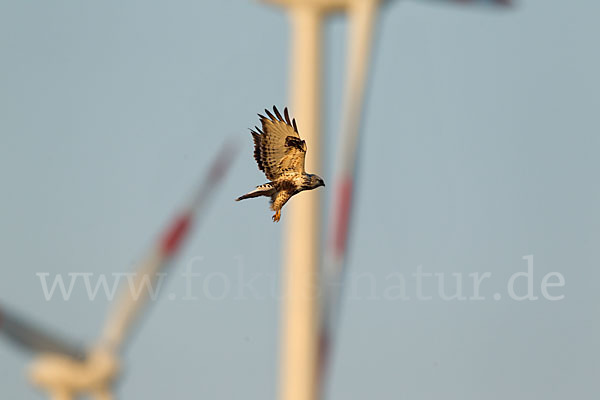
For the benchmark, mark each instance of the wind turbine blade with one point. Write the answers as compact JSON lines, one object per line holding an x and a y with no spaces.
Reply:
{"x":36,"y":339}
{"x":362,"y":16}
{"x":128,"y":305}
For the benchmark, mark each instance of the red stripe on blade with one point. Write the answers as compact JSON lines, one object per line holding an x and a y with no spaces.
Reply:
{"x":323,"y":355}
{"x":175,"y":235}
{"x":343,"y":215}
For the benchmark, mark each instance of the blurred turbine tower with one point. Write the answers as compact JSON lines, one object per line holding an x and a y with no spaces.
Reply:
{"x":67,"y":371}
{"x":302,"y":243}
{"x":308,"y":327}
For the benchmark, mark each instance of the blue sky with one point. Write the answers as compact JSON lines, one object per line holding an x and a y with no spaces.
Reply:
{"x":480,"y":147}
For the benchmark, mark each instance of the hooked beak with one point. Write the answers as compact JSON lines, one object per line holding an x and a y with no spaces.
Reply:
{"x":322,"y":183}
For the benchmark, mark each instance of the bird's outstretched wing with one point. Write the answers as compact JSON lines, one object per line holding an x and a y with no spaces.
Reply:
{"x":278,"y":147}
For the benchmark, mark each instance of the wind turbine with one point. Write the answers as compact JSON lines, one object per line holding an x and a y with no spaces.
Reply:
{"x":66,"y":371}
{"x":302,"y":242}
{"x":307,"y":339}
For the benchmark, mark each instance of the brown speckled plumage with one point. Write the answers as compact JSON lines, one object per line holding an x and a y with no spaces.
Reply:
{"x":279,"y":153}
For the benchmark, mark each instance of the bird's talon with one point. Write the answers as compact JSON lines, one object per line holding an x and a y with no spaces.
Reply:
{"x":277,"y":216}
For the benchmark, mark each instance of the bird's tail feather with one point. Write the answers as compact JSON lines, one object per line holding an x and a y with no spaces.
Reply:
{"x":262,"y":190}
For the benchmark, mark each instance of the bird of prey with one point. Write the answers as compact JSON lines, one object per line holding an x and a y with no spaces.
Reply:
{"x":279,"y":153}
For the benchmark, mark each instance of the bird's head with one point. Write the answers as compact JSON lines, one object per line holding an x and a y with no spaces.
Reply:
{"x":316,"y":181}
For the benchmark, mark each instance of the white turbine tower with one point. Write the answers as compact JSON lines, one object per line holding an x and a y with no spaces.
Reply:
{"x":308,"y":327}
{"x":66,"y":371}
{"x":302,"y":246}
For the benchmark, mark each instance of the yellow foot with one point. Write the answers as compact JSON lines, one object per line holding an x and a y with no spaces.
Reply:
{"x":277,"y":216}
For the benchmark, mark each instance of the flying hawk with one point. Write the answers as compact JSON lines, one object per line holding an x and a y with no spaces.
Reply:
{"x":279,"y":153}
